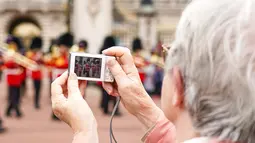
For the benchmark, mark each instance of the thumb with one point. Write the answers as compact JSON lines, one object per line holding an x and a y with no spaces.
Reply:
{"x":116,"y":70}
{"x":73,"y":85}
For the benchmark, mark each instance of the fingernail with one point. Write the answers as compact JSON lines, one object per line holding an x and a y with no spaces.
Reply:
{"x":73,"y":76}
{"x":111,"y":62}
{"x":104,"y":51}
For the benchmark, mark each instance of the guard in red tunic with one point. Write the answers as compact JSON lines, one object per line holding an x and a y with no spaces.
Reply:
{"x":36,"y":55}
{"x":140,"y":62}
{"x":49,"y":60}
{"x":98,"y":68}
{"x":78,"y":68}
{"x":13,"y":72}
{"x":64,"y":43}
{"x":93,"y":68}
{"x":109,"y":41}
{"x":86,"y":67}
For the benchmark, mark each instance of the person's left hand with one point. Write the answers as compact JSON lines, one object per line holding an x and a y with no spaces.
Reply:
{"x":69,"y":105}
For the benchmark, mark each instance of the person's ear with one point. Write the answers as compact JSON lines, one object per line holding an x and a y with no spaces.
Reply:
{"x":178,"y":97}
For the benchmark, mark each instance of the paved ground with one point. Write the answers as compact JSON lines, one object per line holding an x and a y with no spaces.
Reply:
{"x":37,"y":126}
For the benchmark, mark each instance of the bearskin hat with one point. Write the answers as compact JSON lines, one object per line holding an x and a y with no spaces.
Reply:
{"x":66,"y":39}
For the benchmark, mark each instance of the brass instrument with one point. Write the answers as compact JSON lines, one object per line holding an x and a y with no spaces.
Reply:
{"x":55,"y":52}
{"x":19,"y":59}
{"x":157,"y":60}
{"x":153,"y":59}
{"x":74,"y":48}
{"x":160,"y":60}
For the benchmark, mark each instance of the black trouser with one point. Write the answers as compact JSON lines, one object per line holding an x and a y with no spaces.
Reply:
{"x":86,"y":73}
{"x":37,"y":86}
{"x":13,"y":100}
{"x":1,"y":122}
{"x":23,"y":88}
{"x":106,"y":99}
{"x":1,"y":126}
{"x":1,"y":73}
{"x":158,"y":87}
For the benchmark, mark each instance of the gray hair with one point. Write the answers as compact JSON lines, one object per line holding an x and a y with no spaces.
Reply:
{"x":215,"y":50}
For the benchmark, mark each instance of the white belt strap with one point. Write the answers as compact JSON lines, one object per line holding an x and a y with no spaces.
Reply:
{"x":15,"y":71}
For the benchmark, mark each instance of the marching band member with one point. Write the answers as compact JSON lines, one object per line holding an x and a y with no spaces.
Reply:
{"x":60,"y":59}
{"x":87,"y":67}
{"x":22,"y":51}
{"x":36,"y":55}
{"x":13,"y":72}
{"x":23,"y":76}
{"x":49,"y":61}
{"x":140,"y":62}
{"x":65,"y":42}
{"x":109,"y":41}
{"x":49,"y":58}
{"x":95,"y":68}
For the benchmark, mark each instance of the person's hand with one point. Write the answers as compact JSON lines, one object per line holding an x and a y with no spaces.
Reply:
{"x":129,"y":86}
{"x":69,"y":105}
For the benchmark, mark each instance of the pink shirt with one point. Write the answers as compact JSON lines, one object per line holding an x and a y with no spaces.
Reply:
{"x":164,"y":132}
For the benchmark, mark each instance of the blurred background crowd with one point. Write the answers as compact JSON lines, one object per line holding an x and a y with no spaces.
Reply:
{"x":41,"y":33}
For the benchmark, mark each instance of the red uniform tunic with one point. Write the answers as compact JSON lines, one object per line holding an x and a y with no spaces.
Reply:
{"x":14,"y":73}
{"x":87,"y":67}
{"x":140,"y":64}
{"x":36,"y":74}
{"x":93,"y":67}
{"x":49,"y":63}
{"x":79,"y":69}
{"x":60,"y":66}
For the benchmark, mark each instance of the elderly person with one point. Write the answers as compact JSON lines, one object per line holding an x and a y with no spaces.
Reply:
{"x":208,"y":90}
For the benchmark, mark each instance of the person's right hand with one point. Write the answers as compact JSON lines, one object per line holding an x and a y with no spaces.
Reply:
{"x":129,"y":86}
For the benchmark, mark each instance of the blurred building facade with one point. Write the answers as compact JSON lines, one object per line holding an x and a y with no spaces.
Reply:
{"x":28,"y":18}
{"x":160,"y":25}
{"x":151,"y":20}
